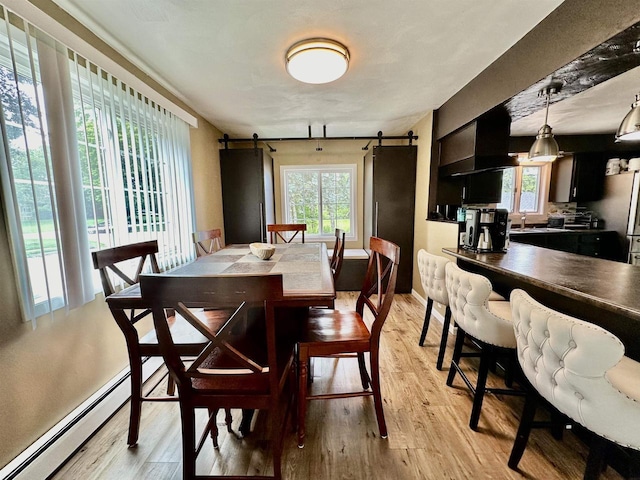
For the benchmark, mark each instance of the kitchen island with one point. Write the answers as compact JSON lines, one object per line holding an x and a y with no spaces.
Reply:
{"x":599,"y":291}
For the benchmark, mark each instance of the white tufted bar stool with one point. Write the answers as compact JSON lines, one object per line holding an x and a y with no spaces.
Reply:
{"x":581,"y":370}
{"x":488,"y":323}
{"x":432,"y":277}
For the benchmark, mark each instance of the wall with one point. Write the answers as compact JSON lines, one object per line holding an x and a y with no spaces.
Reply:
{"x":336,"y":152}
{"x":50,"y":370}
{"x":431,"y":236}
{"x":207,"y":187}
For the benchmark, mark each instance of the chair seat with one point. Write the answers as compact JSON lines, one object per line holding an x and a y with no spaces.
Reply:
{"x":334,"y":331}
{"x":625,"y":377}
{"x":500,"y":308}
{"x":496,"y":297}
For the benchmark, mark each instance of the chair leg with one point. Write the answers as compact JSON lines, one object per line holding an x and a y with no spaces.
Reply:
{"x":427,"y":318}
{"x":228,"y":419}
{"x":135,"y":363}
{"x":213,"y":427}
{"x":487,"y":358}
{"x":445,"y":336}
{"x":377,"y":395}
{"x":302,"y":394}
{"x":188,"y":441}
{"x":455,"y":360}
{"x":524,"y":429}
{"x":364,"y":375}
{"x":596,"y":458}
{"x":171,"y":386}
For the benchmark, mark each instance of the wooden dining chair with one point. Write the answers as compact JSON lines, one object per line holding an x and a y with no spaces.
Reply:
{"x":326,"y":333}
{"x":277,"y":229}
{"x":128,"y":308}
{"x":207,"y":241}
{"x":248,"y":367}
{"x":338,"y":254}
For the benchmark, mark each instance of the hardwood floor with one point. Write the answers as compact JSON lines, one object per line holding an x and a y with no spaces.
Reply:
{"x":429,"y":437}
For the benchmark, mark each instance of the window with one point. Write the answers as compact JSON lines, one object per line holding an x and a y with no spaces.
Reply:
{"x":524,"y":188}
{"x":85,"y":162}
{"x":322,"y":197}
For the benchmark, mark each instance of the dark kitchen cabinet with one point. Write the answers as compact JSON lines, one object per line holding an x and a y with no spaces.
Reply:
{"x":247,"y":194}
{"x":577,"y":178}
{"x":483,"y":187}
{"x":592,"y":243}
{"x":389,"y":203}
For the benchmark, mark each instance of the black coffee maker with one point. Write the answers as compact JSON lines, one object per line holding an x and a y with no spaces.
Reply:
{"x":485,"y":229}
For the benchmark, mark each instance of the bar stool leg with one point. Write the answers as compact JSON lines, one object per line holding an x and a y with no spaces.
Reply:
{"x":427,"y":319}
{"x":524,"y":429}
{"x":445,"y":336}
{"x":457,"y":352}
{"x":487,"y":359}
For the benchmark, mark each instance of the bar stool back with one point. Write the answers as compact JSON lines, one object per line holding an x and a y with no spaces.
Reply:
{"x":432,"y":277}
{"x":579,"y":368}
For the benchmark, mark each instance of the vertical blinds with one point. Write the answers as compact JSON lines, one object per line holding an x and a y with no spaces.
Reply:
{"x":87,"y":162}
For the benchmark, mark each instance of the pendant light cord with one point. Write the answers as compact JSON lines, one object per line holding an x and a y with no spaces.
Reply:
{"x":546,"y":112}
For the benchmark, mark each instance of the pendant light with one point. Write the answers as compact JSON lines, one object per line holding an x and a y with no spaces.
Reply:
{"x":629,"y":129}
{"x":545,"y":147}
{"x":317,"y":60}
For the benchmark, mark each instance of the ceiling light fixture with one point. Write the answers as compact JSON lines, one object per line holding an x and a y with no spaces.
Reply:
{"x":545,"y":148}
{"x":629,"y":129}
{"x":317,"y":60}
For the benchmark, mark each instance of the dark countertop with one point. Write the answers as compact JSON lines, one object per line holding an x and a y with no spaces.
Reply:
{"x":608,"y":285}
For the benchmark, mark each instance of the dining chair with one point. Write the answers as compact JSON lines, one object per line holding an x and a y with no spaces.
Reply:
{"x":277,"y":229}
{"x":581,"y":370}
{"x":487,"y":323}
{"x":326,"y":333}
{"x":207,"y":241}
{"x":248,"y":367}
{"x":128,"y":308}
{"x":338,"y":254}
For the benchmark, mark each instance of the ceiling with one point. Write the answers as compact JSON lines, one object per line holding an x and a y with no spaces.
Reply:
{"x":225,"y":58}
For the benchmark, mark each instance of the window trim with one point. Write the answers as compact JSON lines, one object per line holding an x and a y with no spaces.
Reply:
{"x":543,"y":201}
{"x":352,"y":168}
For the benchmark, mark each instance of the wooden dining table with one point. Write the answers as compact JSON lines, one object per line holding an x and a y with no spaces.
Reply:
{"x":306,"y":273}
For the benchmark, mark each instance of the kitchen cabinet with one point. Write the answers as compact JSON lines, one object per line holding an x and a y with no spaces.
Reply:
{"x":577,"y":178}
{"x":592,"y":243}
{"x":248,"y":201}
{"x":483,"y":187}
{"x":389,"y":203}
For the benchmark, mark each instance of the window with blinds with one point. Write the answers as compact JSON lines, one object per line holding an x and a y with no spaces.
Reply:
{"x":87,"y":162}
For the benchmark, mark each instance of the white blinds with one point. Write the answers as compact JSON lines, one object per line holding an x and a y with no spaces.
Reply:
{"x":86,"y":162}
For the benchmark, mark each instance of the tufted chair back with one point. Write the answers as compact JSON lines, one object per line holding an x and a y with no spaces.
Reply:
{"x":432,"y":276}
{"x":567,"y":360}
{"x":468,"y":300}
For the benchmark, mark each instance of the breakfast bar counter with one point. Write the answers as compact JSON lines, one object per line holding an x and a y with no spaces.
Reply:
{"x":600,"y":291}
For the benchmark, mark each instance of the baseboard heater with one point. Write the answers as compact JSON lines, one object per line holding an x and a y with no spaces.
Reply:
{"x":47,"y":454}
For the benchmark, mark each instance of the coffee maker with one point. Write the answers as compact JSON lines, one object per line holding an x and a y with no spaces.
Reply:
{"x":486,"y":229}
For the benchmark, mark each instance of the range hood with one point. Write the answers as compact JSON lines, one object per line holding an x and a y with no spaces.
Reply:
{"x":479,"y":146}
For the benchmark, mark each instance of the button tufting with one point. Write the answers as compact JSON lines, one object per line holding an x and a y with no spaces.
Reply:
{"x":561,"y":363}
{"x":572,"y":344}
{"x":546,"y":333}
{"x":579,"y":396}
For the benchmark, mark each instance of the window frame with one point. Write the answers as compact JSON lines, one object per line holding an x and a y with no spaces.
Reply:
{"x":540,"y":215}
{"x":351,"y":168}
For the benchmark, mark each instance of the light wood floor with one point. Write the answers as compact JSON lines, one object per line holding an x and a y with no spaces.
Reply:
{"x":429,"y":437}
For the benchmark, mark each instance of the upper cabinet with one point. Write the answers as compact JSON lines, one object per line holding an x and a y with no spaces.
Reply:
{"x":577,"y":178}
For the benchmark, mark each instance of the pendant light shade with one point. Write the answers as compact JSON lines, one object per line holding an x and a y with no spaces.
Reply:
{"x":629,"y":129}
{"x":545,"y":148}
{"x":317,"y":60}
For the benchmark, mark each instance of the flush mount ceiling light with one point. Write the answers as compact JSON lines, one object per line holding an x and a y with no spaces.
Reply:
{"x":545,"y":147}
{"x":629,"y":129}
{"x":317,"y":60}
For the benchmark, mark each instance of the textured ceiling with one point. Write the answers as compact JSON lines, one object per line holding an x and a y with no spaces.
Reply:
{"x":225,"y":58}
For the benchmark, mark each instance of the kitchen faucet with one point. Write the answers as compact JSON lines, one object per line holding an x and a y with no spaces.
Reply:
{"x":523,"y":220}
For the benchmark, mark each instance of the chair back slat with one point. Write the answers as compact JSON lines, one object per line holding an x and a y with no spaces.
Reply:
{"x":207,"y":241}
{"x":181,"y":293}
{"x":109,"y":258}
{"x":380,"y":280}
{"x":338,"y":254}
{"x":276,"y":229}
